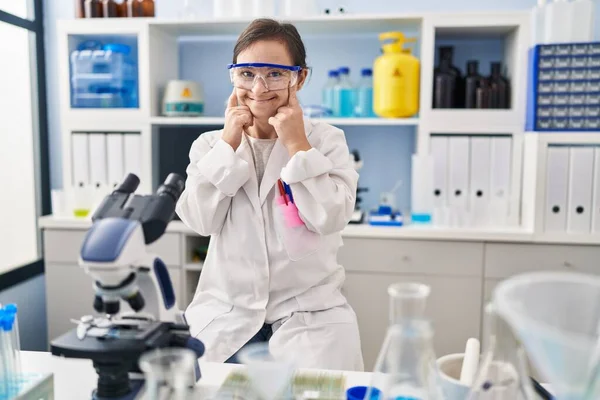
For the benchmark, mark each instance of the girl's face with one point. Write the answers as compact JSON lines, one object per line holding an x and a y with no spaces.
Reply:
{"x":264,"y":103}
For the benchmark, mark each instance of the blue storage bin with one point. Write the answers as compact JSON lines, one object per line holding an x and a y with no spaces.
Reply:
{"x":563,"y":91}
{"x":104,"y":76}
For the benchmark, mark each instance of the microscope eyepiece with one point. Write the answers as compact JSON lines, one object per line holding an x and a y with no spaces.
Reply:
{"x":172,"y":186}
{"x":129,"y":184}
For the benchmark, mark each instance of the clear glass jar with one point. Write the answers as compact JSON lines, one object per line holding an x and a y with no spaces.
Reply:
{"x":169,"y":373}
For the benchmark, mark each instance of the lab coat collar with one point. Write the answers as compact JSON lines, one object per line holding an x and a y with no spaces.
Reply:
{"x":277,"y":160}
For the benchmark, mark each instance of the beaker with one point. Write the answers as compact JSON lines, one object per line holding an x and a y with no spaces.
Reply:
{"x":405,"y":368}
{"x":503,"y":372}
{"x":169,"y":373}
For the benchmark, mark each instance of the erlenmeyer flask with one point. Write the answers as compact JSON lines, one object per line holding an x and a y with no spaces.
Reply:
{"x":405,"y":368}
{"x":169,"y":374}
{"x":503,"y":373}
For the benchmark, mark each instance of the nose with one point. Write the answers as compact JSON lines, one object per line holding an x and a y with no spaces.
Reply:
{"x":260,"y":85}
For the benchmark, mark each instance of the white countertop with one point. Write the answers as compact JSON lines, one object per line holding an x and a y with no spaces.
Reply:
{"x":75,"y":378}
{"x":417,"y":232}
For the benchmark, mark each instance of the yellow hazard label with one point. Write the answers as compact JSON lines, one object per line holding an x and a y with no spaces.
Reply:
{"x":186,"y":93}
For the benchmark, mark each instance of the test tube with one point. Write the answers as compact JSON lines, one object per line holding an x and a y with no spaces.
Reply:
{"x":6,"y":355}
{"x":16,"y":343}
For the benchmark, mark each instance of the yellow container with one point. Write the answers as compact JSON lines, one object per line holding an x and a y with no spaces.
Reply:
{"x":396,"y":79}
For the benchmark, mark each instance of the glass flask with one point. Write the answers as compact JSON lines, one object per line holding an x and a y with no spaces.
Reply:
{"x":406,"y":366}
{"x":503,"y":372}
{"x":169,"y":374}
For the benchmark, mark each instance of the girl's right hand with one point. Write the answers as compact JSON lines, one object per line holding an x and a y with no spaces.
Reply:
{"x":236,"y":119}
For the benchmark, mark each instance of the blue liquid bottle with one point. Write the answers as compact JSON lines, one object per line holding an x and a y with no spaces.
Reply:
{"x":344,"y":95}
{"x":328,"y":89}
{"x":364,"y":95}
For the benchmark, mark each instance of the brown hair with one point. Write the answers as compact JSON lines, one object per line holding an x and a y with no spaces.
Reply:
{"x":269,"y":29}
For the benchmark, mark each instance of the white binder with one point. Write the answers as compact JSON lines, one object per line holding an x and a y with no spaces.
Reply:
{"x":98,"y":160}
{"x":439,"y":152}
{"x":116,"y":164}
{"x":458,"y":178}
{"x":479,"y":192}
{"x":132,"y":144}
{"x":596,"y":195}
{"x":80,"y":159}
{"x":581,"y":179}
{"x":557,"y":186}
{"x":500,"y":179}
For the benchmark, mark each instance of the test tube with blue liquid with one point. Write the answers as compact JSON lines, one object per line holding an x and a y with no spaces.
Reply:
{"x":10,"y":368}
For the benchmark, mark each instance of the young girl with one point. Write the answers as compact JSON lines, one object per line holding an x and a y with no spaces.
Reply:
{"x":274,"y":191}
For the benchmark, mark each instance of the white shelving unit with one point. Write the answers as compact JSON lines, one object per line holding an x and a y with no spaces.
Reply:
{"x":217,"y":121}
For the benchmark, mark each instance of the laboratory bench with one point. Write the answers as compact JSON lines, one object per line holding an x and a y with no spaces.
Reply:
{"x":76,"y":378}
{"x":462,"y":266}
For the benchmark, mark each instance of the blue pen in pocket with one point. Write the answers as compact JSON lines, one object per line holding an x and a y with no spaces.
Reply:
{"x":288,"y":191}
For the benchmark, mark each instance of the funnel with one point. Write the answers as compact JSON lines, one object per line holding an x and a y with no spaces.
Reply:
{"x":271,"y":378}
{"x":556,"y":316}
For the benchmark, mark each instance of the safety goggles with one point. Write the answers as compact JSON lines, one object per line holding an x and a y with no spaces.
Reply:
{"x":273,"y":76}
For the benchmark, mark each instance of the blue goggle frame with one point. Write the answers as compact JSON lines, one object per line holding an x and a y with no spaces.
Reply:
{"x":262,"y":65}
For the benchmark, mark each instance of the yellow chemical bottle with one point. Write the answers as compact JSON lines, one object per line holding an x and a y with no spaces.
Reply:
{"x":396,"y":75}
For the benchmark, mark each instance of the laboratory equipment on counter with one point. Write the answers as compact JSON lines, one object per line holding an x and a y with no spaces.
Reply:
{"x":115,"y":255}
{"x":183,"y":99}
{"x":503,"y":373}
{"x":93,"y":9}
{"x":395,"y":79}
{"x":358,"y":214}
{"x":104,"y":78}
{"x":555,"y":315}
{"x":499,"y":87}
{"x":422,"y":189}
{"x":364,"y":94}
{"x":473,"y":82}
{"x":328,"y":90}
{"x":406,"y":365}
{"x":564,"y":87}
{"x":343,"y":94}
{"x":448,"y":82}
{"x":168,"y":374}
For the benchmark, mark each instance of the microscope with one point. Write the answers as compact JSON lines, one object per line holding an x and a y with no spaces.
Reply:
{"x":115,"y":255}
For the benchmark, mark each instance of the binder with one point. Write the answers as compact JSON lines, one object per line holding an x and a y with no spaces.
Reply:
{"x":596,"y":195}
{"x":500,"y":179}
{"x":439,"y":152}
{"x":98,"y":160}
{"x":115,"y":156}
{"x":557,"y":186}
{"x":458,"y":178}
{"x":581,"y":179}
{"x":479,"y":193}
{"x":80,"y":159}
{"x":132,"y":144}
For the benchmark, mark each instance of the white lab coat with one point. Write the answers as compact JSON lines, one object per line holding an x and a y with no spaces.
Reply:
{"x":257,"y":269}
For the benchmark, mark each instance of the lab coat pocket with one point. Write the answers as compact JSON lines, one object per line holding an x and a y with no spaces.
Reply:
{"x":199,"y":316}
{"x":298,"y":240}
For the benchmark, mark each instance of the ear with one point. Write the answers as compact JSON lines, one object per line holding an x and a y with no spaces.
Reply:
{"x":302,"y":78}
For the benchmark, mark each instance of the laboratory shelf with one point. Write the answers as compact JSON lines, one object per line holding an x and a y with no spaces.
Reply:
{"x":193,"y":266}
{"x":212,"y":121}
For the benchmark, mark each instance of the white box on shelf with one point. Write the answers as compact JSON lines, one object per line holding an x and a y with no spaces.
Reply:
{"x":581,"y":171}
{"x":557,"y":187}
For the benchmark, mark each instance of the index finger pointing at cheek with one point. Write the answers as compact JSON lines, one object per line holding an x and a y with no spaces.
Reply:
{"x":232,"y":102}
{"x":293,"y":99}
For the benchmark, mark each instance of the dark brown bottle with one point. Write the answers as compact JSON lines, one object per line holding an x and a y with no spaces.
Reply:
{"x":147,"y":8}
{"x":121,"y":8}
{"x":499,"y":87}
{"x":93,"y":9}
{"x":80,"y":8}
{"x":473,"y":81}
{"x":444,"y":95}
{"x":134,"y":8}
{"x":446,"y":54}
{"x":109,"y":9}
{"x":482,"y":96}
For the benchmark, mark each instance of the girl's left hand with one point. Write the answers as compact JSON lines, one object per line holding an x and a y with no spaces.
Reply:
{"x":289,"y":125}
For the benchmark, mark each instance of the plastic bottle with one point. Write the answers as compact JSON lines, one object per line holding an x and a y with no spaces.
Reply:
{"x":406,"y":366}
{"x":499,"y":87}
{"x":538,"y":21}
{"x":364,"y":94}
{"x":396,"y":76}
{"x":559,"y":22}
{"x":583,"y":21}
{"x":446,"y":54}
{"x":328,"y":89}
{"x":343,"y":95}
{"x":422,"y":189}
{"x":473,"y":81}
